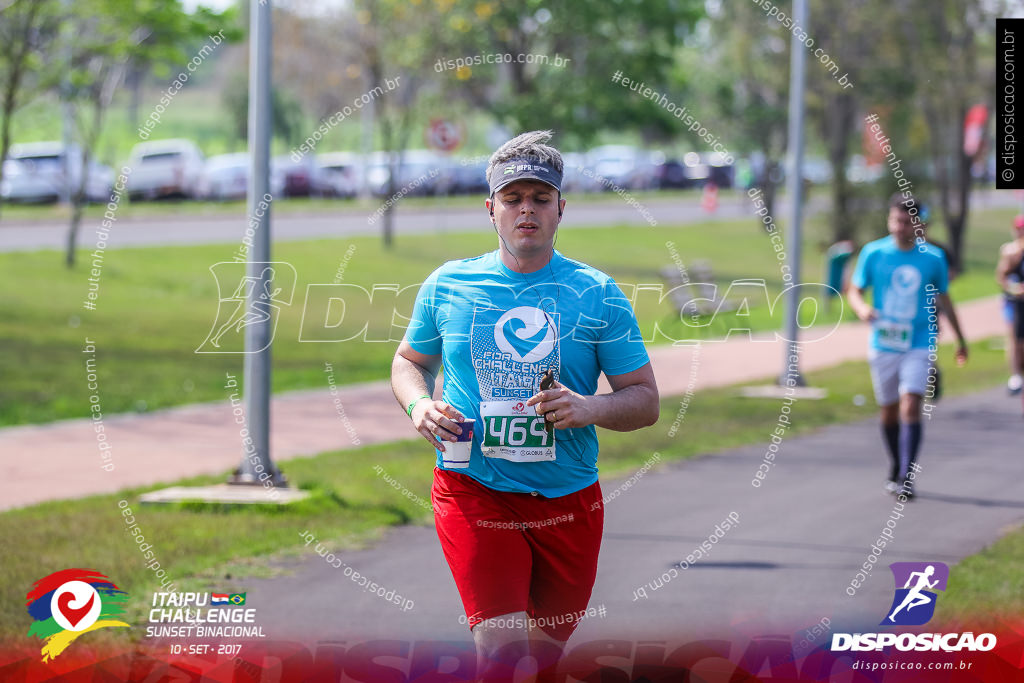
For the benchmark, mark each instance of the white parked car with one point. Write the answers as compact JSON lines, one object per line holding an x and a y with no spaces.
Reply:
{"x":165,"y":168}
{"x":226,"y":176}
{"x":624,"y":166}
{"x":34,"y":172}
{"x":341,"y":173}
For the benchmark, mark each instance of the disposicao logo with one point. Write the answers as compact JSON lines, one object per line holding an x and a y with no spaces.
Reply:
{"x":68,"y":603}
{"x":914,"y":581}
{"x":913,"y":605}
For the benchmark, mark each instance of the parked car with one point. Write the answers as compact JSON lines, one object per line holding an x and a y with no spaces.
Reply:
{"x":165,"y":168}
{"x":226,"y":176}
{"x":341,"y":173}
{"x":721,"y":172}
{"x":469,"y":178}
{"x":624,"y":166}
{"x":422,"y":172}
{"x":709,"y":167}
{"x":34,"y":173}
{"x":672,"y":175}
{"x":576,"y":175}
{"x":302,"y":178}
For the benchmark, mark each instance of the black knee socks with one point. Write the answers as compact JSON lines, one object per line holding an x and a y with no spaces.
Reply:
{"x":891,"y":434}
{"x":910,"y":442}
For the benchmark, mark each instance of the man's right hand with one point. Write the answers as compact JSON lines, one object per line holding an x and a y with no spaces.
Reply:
{"x":431,"y":418}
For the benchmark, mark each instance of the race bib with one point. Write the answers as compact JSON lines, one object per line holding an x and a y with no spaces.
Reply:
{"x":513,"y":431}
{"x":893,"y":336}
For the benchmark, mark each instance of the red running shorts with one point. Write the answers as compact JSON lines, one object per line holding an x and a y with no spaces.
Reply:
{"x":519,"y":552}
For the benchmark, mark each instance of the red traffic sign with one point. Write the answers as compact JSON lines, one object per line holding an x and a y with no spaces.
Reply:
{"x":444,"y":135}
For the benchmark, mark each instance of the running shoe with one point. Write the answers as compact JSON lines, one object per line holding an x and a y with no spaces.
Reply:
{"x":1014,"y":384}
{"x":892,"y":487}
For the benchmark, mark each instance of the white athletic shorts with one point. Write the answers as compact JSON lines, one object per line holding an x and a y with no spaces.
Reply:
{"x":896,"y":373}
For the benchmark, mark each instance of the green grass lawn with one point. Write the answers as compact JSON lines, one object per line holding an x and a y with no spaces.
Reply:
{"x":157,"y":305}
{"x":989,"y":584}
{"x":204,"y":547}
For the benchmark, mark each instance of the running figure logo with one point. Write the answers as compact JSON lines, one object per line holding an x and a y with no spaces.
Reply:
{"x":914,"y":603}
{"x":227,"y":335}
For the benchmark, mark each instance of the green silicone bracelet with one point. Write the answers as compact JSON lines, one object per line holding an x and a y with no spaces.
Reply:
{"x":408,"y":410}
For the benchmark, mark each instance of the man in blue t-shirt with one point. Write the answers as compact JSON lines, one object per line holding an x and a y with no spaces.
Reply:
{"x":520,"y":523}
{"x":909,"y":278}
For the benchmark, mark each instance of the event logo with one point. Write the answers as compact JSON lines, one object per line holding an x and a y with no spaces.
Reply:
{"x":68,"y":603}
{"x":234,"y":312}
{"x":525,"y":333}
{"x":914,"y":603}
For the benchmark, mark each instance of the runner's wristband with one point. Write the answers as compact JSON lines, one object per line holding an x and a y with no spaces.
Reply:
{"x":408,"y":410}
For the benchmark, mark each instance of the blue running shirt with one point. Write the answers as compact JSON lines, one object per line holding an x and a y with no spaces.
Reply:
{"x":900,"y":280}
{"x":498,"y":331}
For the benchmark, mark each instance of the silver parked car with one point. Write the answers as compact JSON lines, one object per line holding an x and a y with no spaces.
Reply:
{"x":341,"y":173}
{"x":226,"y":176}
{"x":34,"y":173}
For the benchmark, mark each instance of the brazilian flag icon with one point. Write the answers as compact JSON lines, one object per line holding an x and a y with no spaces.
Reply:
{"x":237,"y":598}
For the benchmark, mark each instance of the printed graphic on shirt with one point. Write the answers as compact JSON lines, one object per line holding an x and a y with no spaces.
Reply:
{"x":510,"y":351}
{"x":899,"y":307}
{"x":901,"y":297}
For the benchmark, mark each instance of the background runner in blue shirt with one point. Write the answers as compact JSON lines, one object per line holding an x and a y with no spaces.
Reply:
{"x":909,"y":278}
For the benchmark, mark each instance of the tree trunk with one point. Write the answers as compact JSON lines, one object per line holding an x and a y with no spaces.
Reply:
{"x":78,"y":199}
{"x":957,"y":225}
{"x":842,"y":228}
{"x":76,"y":221}
{"x":5,"y":129}
{"x":769,"y":187}
{"x":388,"y":226}
{"x":89,"y":138}
{"x":840,"y":111}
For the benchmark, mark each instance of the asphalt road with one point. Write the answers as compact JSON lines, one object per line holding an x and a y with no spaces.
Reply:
{"x":152,"y":231}
{"x":580,"y":211}
{"x":800,"y":540}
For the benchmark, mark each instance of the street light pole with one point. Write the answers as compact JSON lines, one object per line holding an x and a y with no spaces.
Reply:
{"x":257,"y":465}
{"x":794,"y":230}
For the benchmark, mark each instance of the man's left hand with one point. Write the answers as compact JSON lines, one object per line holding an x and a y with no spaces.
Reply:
{"x":562,"y":407}
{"x":961,"y":354}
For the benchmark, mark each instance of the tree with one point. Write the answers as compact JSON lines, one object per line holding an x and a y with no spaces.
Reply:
{"x":941,"y":49}
{"x":561,"y":58}
{"x":848,"y":34}
{"x":286,"y":113}
{"x":27,"y":29}
{"x":743,"y":72}
{"x":397,"y":44}
{"x":109,"y":37}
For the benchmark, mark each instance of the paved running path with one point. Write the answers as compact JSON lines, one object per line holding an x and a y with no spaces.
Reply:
{"x":61,"y":460}
{"x":800,"y":540}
